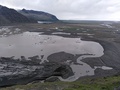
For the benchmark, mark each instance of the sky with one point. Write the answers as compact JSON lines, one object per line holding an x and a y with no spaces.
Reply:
{"x":71,"y":9}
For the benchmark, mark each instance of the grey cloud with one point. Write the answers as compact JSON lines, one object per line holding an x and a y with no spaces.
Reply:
{"x":72,"y":9}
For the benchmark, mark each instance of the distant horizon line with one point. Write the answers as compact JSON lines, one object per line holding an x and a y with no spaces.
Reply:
{"x":88,"y":20}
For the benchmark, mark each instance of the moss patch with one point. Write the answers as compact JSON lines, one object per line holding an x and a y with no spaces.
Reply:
{"x":106,"y":83}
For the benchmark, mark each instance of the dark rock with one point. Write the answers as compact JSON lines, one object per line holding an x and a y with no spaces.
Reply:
{"x":101,"y":73}
{"x":61,"y":57}
{"x":117,"y":88}
{"x":23,"y":58}
{"x":22,"y":72}
{"x":34,"y":57}
{"x":6,"y":58}
{"x":42,"y":56}
{"x":52,"y":79}
{"x":64,"y":71}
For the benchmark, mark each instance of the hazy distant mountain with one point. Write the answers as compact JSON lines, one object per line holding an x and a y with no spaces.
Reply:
{"x":8,"y":15}
{"x":38,"y":15}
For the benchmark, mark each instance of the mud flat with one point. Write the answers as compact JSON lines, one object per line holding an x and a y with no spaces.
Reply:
{"x":31,"y":47}
{"x":110,"y":58}
{"x":68,"y":52}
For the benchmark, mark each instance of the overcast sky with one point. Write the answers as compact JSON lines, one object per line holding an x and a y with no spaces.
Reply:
{"x":71,"y":9}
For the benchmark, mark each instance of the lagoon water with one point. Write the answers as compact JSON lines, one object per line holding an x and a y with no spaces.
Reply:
{"x":32,"y":43}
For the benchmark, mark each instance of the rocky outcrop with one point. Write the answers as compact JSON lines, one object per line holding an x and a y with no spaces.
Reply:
{"x":25,"y":71}
{"x":38,"y":15}
{"x":8,"y":15}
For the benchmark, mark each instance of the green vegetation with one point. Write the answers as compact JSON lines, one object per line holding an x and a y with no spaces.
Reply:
{"x":106,"y":83}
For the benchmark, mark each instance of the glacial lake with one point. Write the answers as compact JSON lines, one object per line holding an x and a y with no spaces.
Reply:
{"x":32,"y":43}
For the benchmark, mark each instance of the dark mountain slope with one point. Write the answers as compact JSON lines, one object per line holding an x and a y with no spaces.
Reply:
{"x":8,"y":15}
{"x":38,"y":15}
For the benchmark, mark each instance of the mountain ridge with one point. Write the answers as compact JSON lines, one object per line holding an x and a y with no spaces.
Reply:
{"x":9,"y":15}
{"x":38,"y":15}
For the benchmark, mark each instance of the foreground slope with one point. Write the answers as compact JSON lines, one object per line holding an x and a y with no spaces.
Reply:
{"x":109,"y":83}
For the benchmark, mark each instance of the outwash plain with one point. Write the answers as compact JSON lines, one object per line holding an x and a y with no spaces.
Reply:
{"x":61,"y":66}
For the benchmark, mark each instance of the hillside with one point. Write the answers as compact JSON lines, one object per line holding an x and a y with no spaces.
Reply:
{"x":106,"y":83}
{"x":8,"y":15}
{"x":38,"y":15}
